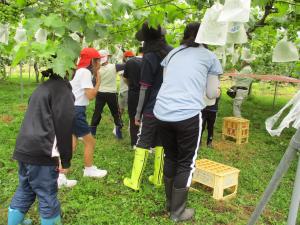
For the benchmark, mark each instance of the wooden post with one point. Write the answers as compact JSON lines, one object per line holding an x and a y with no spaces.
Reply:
{"x":275,"y":94}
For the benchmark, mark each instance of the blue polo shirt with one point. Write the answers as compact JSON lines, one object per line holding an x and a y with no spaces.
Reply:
{"x":184,"y":83}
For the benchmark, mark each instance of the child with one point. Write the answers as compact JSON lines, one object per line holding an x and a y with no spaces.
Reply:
{"x":45,"y":135}
{"x":84,"y":91}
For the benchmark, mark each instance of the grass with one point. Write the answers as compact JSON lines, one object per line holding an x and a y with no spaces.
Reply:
{"x":108,"y":201}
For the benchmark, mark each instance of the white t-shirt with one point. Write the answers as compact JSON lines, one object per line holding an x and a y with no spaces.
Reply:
{"x":108,"y":75}
{"x":81,"y":80}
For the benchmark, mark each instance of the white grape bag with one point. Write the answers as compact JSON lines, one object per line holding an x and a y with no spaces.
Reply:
{"x":236,"y":33}
{"x":20,"y":35}
{"x":211,"y":31}
{"x":75,"y":37}
{"x":292,"y":117}
{"x":41,"y":36}
{"x":235,"y":11}
{"x":285,"y":51}
{"x":247,"y":55}
{"x":220,"y":51}
{"x":229,"y":48}
{"x":4,"y":33}
{"x":235,"y":57}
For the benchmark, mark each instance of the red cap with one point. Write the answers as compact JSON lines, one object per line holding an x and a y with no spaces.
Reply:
{"x":86,"y":55}
{"x":128,"y":54}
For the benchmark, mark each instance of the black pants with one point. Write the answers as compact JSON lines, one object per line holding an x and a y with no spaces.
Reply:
{"x":133,"y":99}
{"x":148,"y":133}
{"x":208,"y":121}
{"x":111,"y":99}
{"x":181,"y":142}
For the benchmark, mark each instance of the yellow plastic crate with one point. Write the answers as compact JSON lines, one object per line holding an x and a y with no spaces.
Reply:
{"x":236,"y":128}
{"x":217,"y":176}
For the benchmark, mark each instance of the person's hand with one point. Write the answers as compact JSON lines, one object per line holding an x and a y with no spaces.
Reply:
{"x":64,"y":171}
{"x":137,"y":122}
{"x":98,"y":77}
{"x":219,"y":92}
{"x":96,"y":66}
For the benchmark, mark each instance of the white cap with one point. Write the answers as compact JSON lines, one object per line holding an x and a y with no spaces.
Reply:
{"x":104,"y":53}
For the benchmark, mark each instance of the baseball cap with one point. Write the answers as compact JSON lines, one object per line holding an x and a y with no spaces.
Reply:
{"x":105,"y":53}
{"x":128,"y":54}
{"x":86,"y":55}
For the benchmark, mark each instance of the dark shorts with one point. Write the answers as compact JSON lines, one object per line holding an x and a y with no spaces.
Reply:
{"x":148,"y":133}
{"x":80,"y":125}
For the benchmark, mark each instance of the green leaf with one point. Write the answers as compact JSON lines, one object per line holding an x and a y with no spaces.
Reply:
{"x":76,"y":24}
{"x":20,"y":55}
{"x":53,"y":20}
{"x":21,"y":3}
{"x":90,"y":35}
{"x":32,"y":25}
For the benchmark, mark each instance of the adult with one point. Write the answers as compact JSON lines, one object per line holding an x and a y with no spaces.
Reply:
{"x":45,"y":135}
{"x":84,"y":91}
{"x":189,"y":71}
{"x":107,"y":94}
{"x":155,"y":49}
{"x":132,"y":76}
{"x":242,"y":84}
{"x":123,"y":88}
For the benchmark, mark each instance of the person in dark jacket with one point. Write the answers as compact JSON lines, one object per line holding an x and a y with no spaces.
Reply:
{"x":44,"y":137}
{"x":132,"y":76}
{"x":209,"y":115}
{"x":155,"y":49}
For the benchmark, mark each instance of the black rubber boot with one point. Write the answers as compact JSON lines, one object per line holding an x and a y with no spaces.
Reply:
{"x":168,"y":190}
{"x":178,"y":204}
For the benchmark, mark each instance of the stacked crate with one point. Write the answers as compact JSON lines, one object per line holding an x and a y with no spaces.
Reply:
{"x":236,"y":128}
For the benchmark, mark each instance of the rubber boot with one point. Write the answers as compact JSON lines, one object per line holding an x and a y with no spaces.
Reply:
{"x":139,"y":163}
{"x":51,"y":221}
{"x":168,"y":190}
{"x":178,"y":204}
{"x":157,"y":176}
{"x":15,"y":217}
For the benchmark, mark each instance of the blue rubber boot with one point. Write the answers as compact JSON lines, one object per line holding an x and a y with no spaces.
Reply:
{"x":51,"y":221}
{"x":15,"y":217}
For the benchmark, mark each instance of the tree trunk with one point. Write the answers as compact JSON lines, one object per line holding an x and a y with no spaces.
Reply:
{"x":21,"y":82}
{"x":36,"y":69}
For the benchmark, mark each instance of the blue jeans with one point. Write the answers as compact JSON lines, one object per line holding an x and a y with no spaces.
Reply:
{"x":40,"y":181}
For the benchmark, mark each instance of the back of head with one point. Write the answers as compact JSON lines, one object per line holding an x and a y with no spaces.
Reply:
{"x":147,"y":33}
{"x":189,"y":35}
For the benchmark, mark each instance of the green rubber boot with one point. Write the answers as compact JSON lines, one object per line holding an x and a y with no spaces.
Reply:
{"x":157,"y":176}
{"x":139,"y":164}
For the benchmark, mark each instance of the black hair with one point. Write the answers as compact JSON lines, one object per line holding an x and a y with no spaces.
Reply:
{"x":189,"y":35}
{"x":140,"y":49}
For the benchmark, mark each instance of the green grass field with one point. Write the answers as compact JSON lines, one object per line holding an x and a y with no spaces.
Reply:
{"x":108,"y":201}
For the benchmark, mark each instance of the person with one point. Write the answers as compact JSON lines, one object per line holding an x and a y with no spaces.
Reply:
{"x":189,"y":71}
{"x":84,"y":91}
{"x":107,"y":94}
{"x":123,"y":89}
{"x":132,"y":76}
{"x":209,"y":115}
{"x":45,"y":135}
{"x":242,"y":85}
{"x":155,"y":49}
